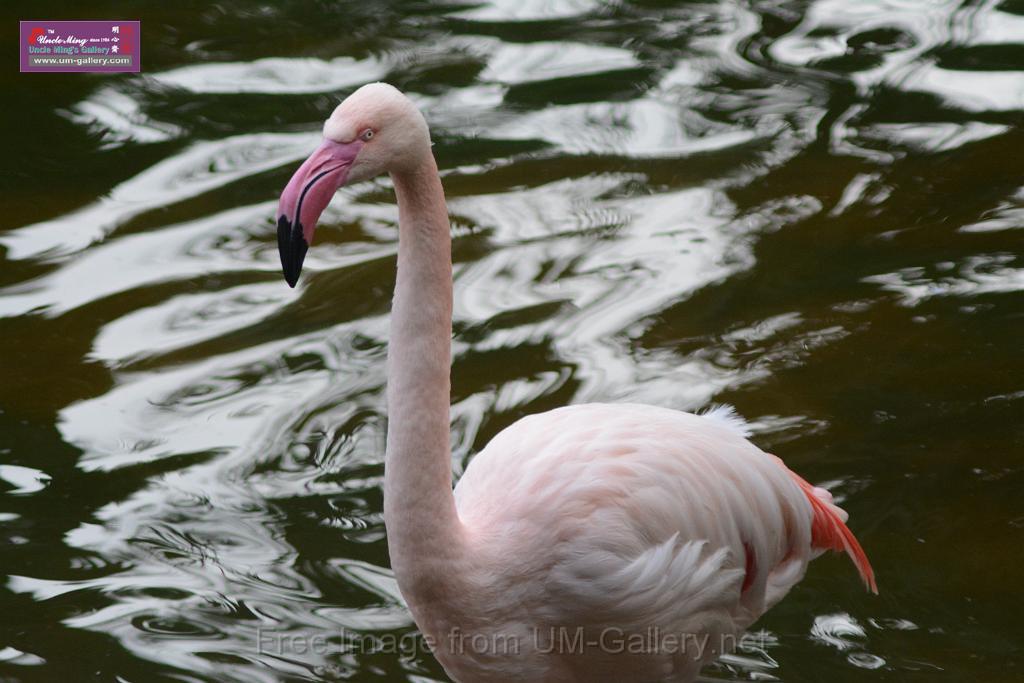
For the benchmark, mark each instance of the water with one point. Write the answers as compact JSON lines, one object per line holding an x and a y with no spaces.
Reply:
{"x":810,"y":210}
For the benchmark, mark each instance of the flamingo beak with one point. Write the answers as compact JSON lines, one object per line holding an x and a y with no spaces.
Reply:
{"x":305,"y":197}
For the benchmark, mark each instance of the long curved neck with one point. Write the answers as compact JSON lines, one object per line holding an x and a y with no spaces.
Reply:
{"x":424,"y":533}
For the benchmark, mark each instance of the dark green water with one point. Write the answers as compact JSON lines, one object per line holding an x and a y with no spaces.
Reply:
{"x":811,"y":210}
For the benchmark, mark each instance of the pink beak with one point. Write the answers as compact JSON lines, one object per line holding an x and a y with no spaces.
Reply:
{"x":306,"y":196}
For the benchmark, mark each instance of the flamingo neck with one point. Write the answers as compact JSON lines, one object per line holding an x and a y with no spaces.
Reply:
{"x":424,"y":532}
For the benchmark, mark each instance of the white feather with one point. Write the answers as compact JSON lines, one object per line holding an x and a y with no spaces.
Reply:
{"x":725,"y":415}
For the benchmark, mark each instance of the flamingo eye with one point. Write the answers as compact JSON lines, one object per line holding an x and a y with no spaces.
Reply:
{"x":367,"y":134}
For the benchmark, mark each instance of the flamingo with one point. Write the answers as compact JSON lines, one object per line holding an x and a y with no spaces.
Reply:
{"x":596,"y":542}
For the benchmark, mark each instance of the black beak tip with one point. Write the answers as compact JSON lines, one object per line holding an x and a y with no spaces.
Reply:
{"x":292,"y":247}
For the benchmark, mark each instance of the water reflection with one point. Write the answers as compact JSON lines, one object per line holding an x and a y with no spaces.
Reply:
{"x":807,"y":210}
{"x":273,"y":76}
{"x":203,"y":167}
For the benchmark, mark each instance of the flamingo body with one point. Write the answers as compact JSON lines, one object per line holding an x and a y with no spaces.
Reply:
{"x":637,"y":523}
{"x":589,"y":543}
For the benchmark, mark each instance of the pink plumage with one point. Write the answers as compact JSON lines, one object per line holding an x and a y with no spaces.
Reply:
{"x":636,"y":518}
{"x":594,"y":542}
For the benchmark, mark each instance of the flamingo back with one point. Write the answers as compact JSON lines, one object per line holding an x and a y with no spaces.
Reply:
{"x":634,"y":518}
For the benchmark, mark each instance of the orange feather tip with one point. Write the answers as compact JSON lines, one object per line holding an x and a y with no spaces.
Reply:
{"x":829,"y":532}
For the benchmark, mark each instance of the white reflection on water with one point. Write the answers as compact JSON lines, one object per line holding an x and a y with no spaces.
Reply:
{"x":975,"y":91}
{"x":176,"y":252}
{"x":531,"y":62}
{"x":202,"y":167}
{"x":274,"y":75}
{"x":22,"y":480}
{"x":1008,"y":215}
{"x":224,"y":403}
{"x":897,"y":41}
{"x":841,"y":631}
{"x":844,"y":633}
{"x":186,"y":320}
{"x":977,"y":275}
{"x":639,"y":128}
{"x":993,"y":27}
{"x":659,"y":249}
{"x":529,"y":10}
{"x":117,"y":117}
{"x":14,"y":656}
{"x":903,"y":32}
{"x":932,"y":137}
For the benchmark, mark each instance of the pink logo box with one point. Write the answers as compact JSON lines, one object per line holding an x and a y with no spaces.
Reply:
{"x":81,"y":46}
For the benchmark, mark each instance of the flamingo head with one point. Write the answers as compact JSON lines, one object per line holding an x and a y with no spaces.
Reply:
{"x":375,"y":130}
